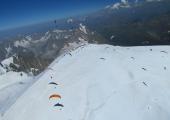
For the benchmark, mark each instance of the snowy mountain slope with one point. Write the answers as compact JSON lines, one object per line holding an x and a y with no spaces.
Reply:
{"x":12,"y":84}
{"x":7,"y":76}
{"x":101,"y":82}
{"x":10,"y":93}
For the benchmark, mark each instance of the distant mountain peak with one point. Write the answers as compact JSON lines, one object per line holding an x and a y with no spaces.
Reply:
{"x":70,"y":20}
{"x":127,"y":4}
{"x":122,"y":4}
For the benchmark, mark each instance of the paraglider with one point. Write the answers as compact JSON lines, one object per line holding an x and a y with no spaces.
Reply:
{"x":70,"y":54}
{"x":164,"y":68}
{"x":102,"y":58}
{"x":55,"y":23}
{"x":164,"y":52}
{"x":53,"y":83}
{"x":55,"y":96}
{"x":59,"y":105}
{"x":133,"y":58}
{"x":145,"y":84}
{"x":21,"y":74}
{"x":144,"y":69}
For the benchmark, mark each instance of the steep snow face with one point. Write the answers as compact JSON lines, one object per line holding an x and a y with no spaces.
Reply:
{"x":83,"y":28}
{"x":101,"y":82}
{"x":4,"y":65}
{"x":7,"y":62}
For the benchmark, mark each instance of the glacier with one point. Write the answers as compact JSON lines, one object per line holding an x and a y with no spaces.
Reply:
{"x":100,"y":82}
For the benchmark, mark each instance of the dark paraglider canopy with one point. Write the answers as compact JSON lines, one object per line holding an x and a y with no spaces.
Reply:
{"x":53,"y":83}
{"x":59,"y":105}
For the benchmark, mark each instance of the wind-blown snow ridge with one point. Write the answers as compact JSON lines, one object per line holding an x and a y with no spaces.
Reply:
{"x":101,"y":82}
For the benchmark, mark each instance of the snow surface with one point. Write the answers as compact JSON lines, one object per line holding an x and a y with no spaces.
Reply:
{"x":10,"y":78}
{"x":12,"y":85}
{"x":101,"y":82}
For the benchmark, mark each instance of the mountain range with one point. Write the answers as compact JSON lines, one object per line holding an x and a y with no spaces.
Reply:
{"x":123,"y":23}
{"x":112,"y":64}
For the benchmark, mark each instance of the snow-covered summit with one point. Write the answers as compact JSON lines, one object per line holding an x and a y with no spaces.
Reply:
{"x":100,"y":82}
{"x":127,"y":4}
{"x":70,"y":20}
{"x":118,"y":5}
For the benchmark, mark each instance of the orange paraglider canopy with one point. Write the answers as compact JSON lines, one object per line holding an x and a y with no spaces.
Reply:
{"x":55,"y":96}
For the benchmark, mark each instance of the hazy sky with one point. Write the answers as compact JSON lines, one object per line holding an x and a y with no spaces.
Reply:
{"x":15,"y":13}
